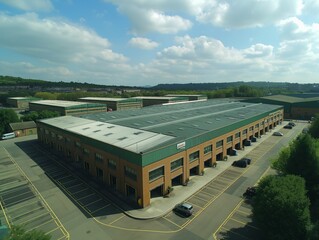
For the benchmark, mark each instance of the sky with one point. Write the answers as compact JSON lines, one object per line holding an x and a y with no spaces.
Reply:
{"x":148,"y":42}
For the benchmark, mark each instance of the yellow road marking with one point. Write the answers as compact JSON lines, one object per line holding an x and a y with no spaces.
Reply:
{"x":75,"y":185}
{"x":42,"y":224}
{"x":201,"y":198}
{"x":211,"y":195}
{"x":100,"y":208}
{"x":56,"y":219}
{"x":25,"y":213}
{"x":24,"y":205}
{"x":81,"y":198}
{"x":82,"y":190}
{"x":194,"y":204}
{"x":246,"y":213}
{"x":227,"y":218}
{"x":93,"y":202}
{"x":35,"y":217}
{"x":117,"y":219}
{"x":172,"y":222}
{"x":243,"y":223}
{"x":5,"y":215}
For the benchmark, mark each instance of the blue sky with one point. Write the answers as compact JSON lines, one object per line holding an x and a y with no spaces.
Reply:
{"x":147,"y":42}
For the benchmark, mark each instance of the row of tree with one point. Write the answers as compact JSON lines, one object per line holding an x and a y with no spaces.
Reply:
{"x":286,"y":206}
{"x":8,"y":116}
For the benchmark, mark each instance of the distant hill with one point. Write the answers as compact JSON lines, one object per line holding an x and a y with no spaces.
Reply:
{"x":216,"y":86}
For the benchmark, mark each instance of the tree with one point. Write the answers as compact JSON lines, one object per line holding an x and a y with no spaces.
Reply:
{"x":33,"y":116}
{"x":301,"y":159}
{"x":314,"y":128}
{"x":7,"y":116}
{"x":281,"y":208}
{"x":18,"y":233}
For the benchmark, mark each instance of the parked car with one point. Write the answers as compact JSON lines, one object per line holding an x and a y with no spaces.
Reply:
{"x":288,"y":126}
{"x":250,"y":192}
{"x":240,"y":163}
{"x":292,"y":124}
{"x":185,"y":209}
{"x":278,"y":134}
{"x":248,"y":160}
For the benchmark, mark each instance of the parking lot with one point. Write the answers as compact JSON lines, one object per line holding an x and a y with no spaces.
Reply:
{"x":88,"y":202}
{"x":22,"y":204}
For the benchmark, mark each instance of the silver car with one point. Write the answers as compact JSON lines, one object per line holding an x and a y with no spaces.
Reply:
{"x":185,"y":209}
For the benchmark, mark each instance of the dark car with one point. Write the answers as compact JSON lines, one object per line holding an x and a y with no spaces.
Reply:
{"x":185,"y":209}
{"x":248,"y":160}
{"x":250,"y":192}
{"x":288,"y":126}
{"x":292,"y":124}
{"x":240,"y":163}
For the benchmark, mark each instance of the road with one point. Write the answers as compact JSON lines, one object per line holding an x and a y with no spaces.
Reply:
{"x":86,"y":213}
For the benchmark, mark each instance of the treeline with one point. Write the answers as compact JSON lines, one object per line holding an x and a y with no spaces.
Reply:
{"x":268,"y":86}
{"x":286,"y":206}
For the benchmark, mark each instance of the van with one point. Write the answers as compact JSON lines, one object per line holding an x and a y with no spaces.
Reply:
{"x":8,"y":135}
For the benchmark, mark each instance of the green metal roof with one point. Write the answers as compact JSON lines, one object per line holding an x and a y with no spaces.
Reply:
{"x":67,"y":104}
{"x":192,"y":123}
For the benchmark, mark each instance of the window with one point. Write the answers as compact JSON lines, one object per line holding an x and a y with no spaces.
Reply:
{"x":46,"y":131}
{"x":99,"y":173}
{"x":77,"y":144}
{"x":98,"y":157}
{"x":60,"y":137}
{"x":251,"y":128}
{"x":52,"y":134}
{"x":158,"y":172}
{"x":86,"y":151}
{"x":219,"y":143}
{"x":257,"y":125}
{"x":68,"y":139}
{"x":263,"y":123}
{"x":131,"y":173}
{"x":193,"y":156}
{"x":245,"y":131}
{"x":176,"y":164}
{"x":237,"y":135}
{"x":208,"y":149}
{"x":229,"y":139}
{"x":112,"y":164}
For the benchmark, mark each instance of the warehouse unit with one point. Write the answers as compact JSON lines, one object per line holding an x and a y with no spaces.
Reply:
{"x":116,"y":104}
{"x":142,"y":153}
{"x":190,"y":97}
{"x":149,"y":101}
{"x":296,"y":106}
{"x":23,"y":128}
{"x":67,"y":107}
{"x":21,"y":102}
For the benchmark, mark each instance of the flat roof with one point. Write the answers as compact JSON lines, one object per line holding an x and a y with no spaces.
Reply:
{"x":185,"y":95}
{"x":290,"y":99}
{"x":155,"y":97}
{"x":22,"y":125}
{"x":131,"y":139}
{"x":104,"y":99}
{"x":59,"y":103}
{"x":23,"y":98}
{"x":187,"y":120}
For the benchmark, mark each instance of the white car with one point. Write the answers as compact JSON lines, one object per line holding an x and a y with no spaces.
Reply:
{"x":278,"y":134}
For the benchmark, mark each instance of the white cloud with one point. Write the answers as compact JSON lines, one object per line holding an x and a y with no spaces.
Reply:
{"x":143,"y":43}
{"x":312,"y":7}
{"x":294,"y":28}
{"x":148,"y":16}
{"x":29,"y":5}
{"x":54,"y":40}
{"x":248,"y":13}
{"x":258,"y":50}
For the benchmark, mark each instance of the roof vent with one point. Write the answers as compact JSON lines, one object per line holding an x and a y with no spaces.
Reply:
{"x":122,"y":138}
{"x":137,"y":133}
{"x":110,"y":126}
{"x":108,"y":134}
{"x":101,"y":124}
{"x":97,"y":131}
{"x":85,"y":128}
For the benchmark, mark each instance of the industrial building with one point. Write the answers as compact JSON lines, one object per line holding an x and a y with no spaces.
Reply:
{"x":142,"y":153}
{"x":23,"y":128}
{"x":296,"y":106}
{"x":190,"y":97}
{"x":21,"y":102}
{"x":67,"y":107}
{"x":116,"y":104}
{"x":153,"y":100}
